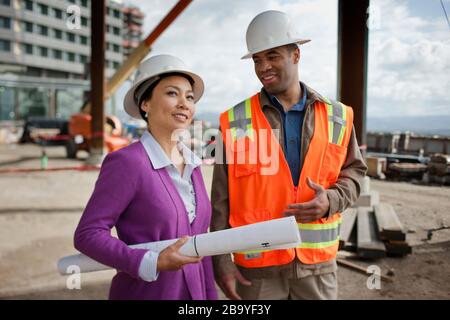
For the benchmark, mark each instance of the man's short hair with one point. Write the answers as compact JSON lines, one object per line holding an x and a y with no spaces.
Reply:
{"x":292,"y":46}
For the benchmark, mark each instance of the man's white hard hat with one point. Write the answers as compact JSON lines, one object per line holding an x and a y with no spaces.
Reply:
{"x":149,"y":72}
{"x":270,"y":29}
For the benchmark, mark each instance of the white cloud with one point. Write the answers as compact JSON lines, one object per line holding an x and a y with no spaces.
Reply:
{"x":409,"y":69}
{"x":409,"y":56}
{"x":210,"y":36}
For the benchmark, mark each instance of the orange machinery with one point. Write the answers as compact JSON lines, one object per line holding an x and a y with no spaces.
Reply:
{"x":80,"y":134}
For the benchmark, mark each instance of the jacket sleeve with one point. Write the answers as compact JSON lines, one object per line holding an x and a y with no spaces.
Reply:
{"x":347,"y":188}
{"x":222,"y":264}
{"x":114,"y":190}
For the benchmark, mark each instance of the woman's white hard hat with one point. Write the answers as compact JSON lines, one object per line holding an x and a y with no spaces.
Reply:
{"x":152,"y":68}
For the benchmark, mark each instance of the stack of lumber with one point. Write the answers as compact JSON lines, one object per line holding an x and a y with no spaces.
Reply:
{"x":391,"y":231}
{"x":439,"y":168}
{"x":376,"y":166}
{"x":368,"y":243}
{"x":406,"y":170}
{"x":373,"y":232}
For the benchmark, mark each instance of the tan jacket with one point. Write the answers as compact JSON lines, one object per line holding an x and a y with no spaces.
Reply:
{"x":341,"y":195}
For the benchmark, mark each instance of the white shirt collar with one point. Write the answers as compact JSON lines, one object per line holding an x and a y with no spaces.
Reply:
{"x":159,"y":158}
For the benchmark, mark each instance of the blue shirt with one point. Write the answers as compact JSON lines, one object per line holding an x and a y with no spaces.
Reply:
{"x":293,"y":123}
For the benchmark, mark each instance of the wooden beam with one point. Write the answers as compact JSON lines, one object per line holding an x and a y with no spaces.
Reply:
{"x":389,"y":225}
{"x":369,"y":245}
{"x":347,"y":227}
{"x":398,"y":248}
{"x":361,"y":269}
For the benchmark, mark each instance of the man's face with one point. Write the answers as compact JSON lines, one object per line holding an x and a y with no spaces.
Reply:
{"x":277,"y":68}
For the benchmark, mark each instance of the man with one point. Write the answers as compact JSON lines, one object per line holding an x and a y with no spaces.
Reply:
{"x":317,"y":173}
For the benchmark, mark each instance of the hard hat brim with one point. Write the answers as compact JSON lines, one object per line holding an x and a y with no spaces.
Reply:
{"x":131,"y":106}
{"x":275,"y":45}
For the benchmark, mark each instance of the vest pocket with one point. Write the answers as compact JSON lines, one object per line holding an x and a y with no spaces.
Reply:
{"x":248,"y":217}
{"x":332,"y":163}
{"x":243,"y":167}
{"x":242,"y":170}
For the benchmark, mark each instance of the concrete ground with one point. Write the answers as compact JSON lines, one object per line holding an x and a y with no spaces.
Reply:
{"x":39,"y":212}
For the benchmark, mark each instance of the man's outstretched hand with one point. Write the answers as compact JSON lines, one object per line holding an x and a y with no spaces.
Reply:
{"x":312,"y":210}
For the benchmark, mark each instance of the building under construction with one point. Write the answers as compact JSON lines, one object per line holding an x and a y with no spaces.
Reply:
{"x":45,"y":53}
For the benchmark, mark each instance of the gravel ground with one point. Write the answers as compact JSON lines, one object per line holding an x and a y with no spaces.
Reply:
{"x":39,"y":212}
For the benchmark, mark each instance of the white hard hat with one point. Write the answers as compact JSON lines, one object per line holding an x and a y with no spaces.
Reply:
{"x":270,"y":29}
{"x":151,"y":69}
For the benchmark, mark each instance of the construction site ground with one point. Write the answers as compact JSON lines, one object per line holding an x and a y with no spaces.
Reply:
{"x":39,"y":212}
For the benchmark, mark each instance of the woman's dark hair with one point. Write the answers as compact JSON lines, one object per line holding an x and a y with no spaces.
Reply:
{"x":148,"y":92}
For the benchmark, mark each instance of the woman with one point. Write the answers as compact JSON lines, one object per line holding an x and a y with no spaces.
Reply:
{"x":152,"y":190}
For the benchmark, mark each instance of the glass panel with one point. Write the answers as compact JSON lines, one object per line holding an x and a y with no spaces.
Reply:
{"x":68,"y":102}
{"x":6,"y":103}
{"x":32,"y":102}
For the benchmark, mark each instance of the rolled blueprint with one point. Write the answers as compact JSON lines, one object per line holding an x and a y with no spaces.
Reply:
{"x":268,"y":235}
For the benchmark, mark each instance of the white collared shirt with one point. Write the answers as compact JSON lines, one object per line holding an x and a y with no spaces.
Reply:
{"x":183,"y":184}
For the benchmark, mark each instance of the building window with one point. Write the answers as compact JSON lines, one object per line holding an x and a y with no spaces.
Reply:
{"x":84,"y":3}
{"x":116,"y":48}
{"x":116,"y":65}
{"x":116,"y":13}
{"x":83,"y":58}
{"x":57,"y":54}
{"x":70,"y":56}
{"x":43,"y":9}
{"x":5,"y":45}
{"x":27,"y":48}
{"x":70,"y":37}
{"x":72,"y":1}
{"x":57,"y":33}
{"x":5,"y":3}
{"x":28,"y":26}
{"x":57,"y":13}
{"x":29,"y":5}
{"x":43,"y":30}
{"x":5,"y":23}
{"x":43,"y":51}
{"x":84,"y":21}
{"x":116,"y":31}
{"x":83,"y":40}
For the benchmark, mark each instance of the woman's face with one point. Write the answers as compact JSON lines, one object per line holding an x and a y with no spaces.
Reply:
{"x":171,"y":106}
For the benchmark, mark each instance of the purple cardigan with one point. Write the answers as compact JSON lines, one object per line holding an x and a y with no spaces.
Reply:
{"x":144,"y":205}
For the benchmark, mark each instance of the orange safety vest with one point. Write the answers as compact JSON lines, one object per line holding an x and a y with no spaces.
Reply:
{"x":260,"y":183}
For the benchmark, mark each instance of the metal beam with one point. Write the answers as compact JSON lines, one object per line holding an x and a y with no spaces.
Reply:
{"x":98,"y":48}
{"x":353,"y":38}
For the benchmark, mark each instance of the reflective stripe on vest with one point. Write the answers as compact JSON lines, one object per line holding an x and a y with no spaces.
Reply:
{"x":240,"y":118}
{"x":313,"y":236}
{"x":319,"y":235}
{"x":337,"y":121}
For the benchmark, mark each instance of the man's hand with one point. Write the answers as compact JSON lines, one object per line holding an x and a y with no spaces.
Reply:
{"x":226,"y":282}
{"x":312,"y":210}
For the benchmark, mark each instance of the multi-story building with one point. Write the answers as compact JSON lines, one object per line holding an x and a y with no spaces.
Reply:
{"x":133,"y":21}
{"x":45,"y":54}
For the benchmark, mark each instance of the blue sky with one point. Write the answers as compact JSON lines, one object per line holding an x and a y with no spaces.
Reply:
{"x":409,"y":50}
